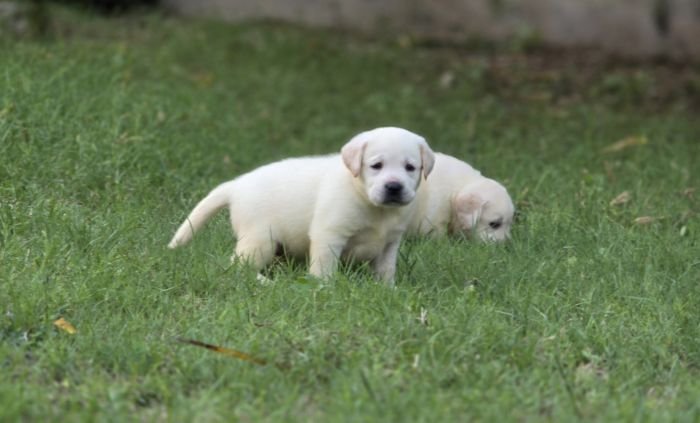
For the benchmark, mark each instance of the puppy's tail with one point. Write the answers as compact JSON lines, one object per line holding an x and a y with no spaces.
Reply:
{"x":217,"y":199}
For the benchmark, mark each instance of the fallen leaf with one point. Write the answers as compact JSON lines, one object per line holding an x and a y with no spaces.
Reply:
{"x":404,"y":41}
{"x":626,"y":143}
{"x":622,"y":198}
{"x":447,"y":79}
{"x":688,"y":192}
{"x":65,"y":326}
{"x":225,"y":351}
{"x":203,"y":79}
{"x":644,"y":220}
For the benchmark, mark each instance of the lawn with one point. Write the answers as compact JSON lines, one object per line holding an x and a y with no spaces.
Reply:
{"x":112,"y":129}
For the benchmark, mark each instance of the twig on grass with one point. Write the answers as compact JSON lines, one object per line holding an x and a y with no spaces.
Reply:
{"x":225,"y":351}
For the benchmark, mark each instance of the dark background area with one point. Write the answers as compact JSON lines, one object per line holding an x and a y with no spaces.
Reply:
{"x":104,"y":6}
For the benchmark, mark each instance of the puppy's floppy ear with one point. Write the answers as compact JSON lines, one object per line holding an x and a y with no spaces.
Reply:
{"x":352,"y":153}
{"x":467,"y":208}
{"x":427,"y":158}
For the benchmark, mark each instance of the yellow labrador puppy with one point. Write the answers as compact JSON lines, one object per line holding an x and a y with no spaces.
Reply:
{"x":458,"y":199}
{"x":354,"y":205}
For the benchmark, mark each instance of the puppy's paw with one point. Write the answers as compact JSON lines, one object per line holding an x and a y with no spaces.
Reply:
{"x":264,"y":280}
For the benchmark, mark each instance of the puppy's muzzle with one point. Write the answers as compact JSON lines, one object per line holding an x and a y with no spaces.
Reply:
{"x":393,"y":193}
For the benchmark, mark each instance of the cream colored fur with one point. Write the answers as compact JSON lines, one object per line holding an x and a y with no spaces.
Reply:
{"x":355,"y":205}
{"x":458,"y":199}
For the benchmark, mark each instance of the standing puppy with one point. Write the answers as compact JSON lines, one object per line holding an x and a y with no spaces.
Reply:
{"x":355,"y":205}
{"x":458,"y":199}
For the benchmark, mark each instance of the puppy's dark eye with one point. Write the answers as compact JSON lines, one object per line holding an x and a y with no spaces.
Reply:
{"x":410,"y":167}
{"x":376,"y":166}
{"x":495,"y":224}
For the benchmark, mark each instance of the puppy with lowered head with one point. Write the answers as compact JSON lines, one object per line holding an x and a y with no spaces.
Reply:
{"x":354,"y":205}
{"x":458,"y":199}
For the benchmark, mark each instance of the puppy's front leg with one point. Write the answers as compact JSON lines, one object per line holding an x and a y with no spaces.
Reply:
{"x":385,"y":264}
{"x":324,"y":255}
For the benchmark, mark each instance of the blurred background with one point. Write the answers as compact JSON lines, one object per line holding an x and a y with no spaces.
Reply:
{"x":668,"y":29}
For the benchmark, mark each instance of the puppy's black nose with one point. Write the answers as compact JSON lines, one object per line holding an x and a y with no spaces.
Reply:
{"x":393,"y":188}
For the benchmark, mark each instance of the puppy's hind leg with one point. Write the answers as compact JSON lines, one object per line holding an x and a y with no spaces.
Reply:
{"x":258,"y":252}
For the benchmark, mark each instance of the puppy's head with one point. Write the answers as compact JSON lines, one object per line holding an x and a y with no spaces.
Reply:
{"x":389,"y":163}
{"x":485,"y":209}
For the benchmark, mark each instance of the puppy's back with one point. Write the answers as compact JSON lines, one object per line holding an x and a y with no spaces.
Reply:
{"x":434,"y":197}
{"x":278,"y":199}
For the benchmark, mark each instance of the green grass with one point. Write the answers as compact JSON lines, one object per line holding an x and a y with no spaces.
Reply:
{"x":110,"y":133}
